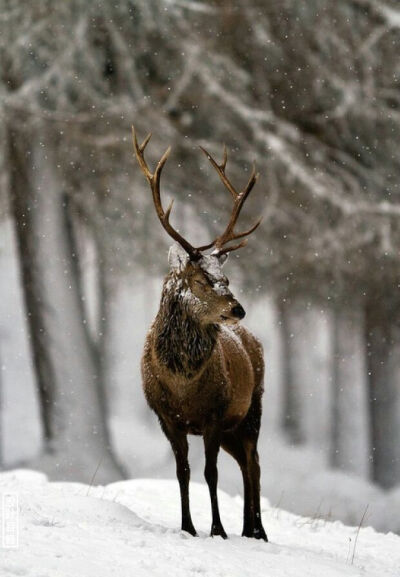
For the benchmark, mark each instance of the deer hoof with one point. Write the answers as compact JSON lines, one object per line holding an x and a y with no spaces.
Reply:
{"x":260,"y":534}
{"x":191,"y":530}
{"x":256,"y":534}
{"x":218,"y":531}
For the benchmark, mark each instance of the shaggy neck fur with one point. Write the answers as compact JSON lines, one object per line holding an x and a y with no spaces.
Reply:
{"x":182,"y":343}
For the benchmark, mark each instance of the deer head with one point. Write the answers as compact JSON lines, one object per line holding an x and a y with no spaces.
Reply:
{"x":199,"y":275}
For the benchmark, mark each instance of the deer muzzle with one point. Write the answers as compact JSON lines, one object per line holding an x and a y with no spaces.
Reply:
{"x":238,"y":311}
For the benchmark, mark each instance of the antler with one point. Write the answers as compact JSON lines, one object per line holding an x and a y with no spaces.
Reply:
{"x":154,"y":181}
{"x":239,"y":199}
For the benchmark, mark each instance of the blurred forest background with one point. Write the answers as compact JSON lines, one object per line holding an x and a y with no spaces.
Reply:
{"x":308,"y":90}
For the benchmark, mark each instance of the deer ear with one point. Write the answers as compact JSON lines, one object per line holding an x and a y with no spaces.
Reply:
{"x":223,"y":258}
{"x":177,"y":258}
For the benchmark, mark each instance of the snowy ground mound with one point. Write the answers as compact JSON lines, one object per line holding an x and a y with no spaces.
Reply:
{"x":131,"y":528}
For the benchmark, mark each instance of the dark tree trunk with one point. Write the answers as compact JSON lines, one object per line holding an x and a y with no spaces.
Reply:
{"x":106,"y":285}
{"x":1,"y":407}
{"x":349,"y":439}
{"x":67,"y":371}
{"x":291,"y":418}
{"x":383,"y":341}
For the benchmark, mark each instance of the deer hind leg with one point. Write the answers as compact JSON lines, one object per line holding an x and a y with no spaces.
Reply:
{"x":242,"y":445}
{"x":212,"y":441}
{"x":259,"y":532}
{"x":180,"y":447}
{"x":235,"y":447}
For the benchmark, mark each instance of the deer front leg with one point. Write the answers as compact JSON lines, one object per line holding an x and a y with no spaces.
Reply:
{"x":180,"y":448}
{"x":212,"y":441}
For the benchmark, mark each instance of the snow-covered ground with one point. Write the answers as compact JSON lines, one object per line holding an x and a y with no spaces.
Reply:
{"x":132,"y":528}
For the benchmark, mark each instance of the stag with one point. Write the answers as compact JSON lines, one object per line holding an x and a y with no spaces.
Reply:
{"x":202,"y":371}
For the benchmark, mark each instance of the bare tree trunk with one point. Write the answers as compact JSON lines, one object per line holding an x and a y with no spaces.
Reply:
{"x":290,"y":326}
{"x":1,"y":406}
{"x":306,"y":367}
{"x":67,"y":371}
{"x":383,"y":341}
{"x":106,"y":284}
{"x":349,"y":438}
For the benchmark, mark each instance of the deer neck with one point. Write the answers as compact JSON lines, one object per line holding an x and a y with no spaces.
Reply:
{"x":182,"y":343}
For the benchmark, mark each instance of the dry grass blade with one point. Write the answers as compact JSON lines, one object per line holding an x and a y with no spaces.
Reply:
{"x":358,"y":532}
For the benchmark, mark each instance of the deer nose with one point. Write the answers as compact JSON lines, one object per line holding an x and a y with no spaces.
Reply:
{"x":238,"y":311}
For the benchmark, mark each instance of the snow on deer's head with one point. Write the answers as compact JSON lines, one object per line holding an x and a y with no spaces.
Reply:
{"x":203,"y":287}
{"x":196,"y":275}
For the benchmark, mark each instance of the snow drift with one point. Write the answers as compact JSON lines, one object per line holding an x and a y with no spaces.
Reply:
{"x":131,"y":528}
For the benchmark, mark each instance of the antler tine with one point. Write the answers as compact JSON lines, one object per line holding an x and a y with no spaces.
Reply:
{"x":145,"y":142}
{"x":229,"y":234}
{"x":251,"y":182}
{"x":239,"y":199}
{"x":232,"y":248}
{"x":154,"y":181}
{"x":159,"y":167}
{"x":237,"y":236}
{"x":225,"y":159}
{"x":220,"y":168}
{"x":246,"y":232}
{"x":139,"y":151}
